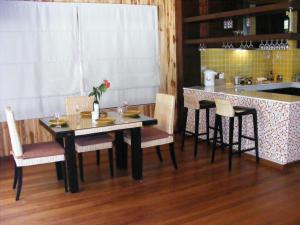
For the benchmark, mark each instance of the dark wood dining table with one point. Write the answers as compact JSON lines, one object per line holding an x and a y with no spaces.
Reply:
{"x":78,"y":126}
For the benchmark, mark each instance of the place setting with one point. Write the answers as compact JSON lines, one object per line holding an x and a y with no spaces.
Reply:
{"x":58,"y":122}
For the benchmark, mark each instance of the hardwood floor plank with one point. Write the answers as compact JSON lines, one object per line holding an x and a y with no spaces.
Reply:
{"x":198,"y":193}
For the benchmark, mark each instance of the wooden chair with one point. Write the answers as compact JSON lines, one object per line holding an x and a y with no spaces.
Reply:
{"x":75,"y":105}
{"x":162,"y":133}
{"x":31,"y":154}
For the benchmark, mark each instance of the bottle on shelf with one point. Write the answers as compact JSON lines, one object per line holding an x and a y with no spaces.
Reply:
{"x":271,"y":76}
{"x":286,"y":24}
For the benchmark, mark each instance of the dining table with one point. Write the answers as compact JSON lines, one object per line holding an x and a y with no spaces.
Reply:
{"x":78,"y":125}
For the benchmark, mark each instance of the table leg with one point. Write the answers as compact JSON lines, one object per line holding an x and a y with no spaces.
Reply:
{"x":137,"y":154}
{"x":59,"y":173}
{"x":121,"y":150}
{"x":70,"y":155}
{"x":58,"y":165}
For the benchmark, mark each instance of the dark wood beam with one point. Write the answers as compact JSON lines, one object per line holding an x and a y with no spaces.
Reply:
{"x":179,"y":62}
{"x":242,"y":12}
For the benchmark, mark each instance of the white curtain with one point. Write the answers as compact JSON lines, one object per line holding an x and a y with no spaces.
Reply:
{"x":52,"y":50}
{"x":120,"y":43}
{"x":37,"y":57}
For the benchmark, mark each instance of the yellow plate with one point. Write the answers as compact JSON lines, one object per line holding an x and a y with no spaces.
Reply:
{"x":105,"y":121}
{"x":57,"y":122}
{"x":86,"y":114}
{"x":132,"y":113}
{"x":103,"y":114}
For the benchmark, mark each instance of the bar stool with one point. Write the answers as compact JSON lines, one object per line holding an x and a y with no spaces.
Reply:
{"x":190,"y":102}
{"x":225,"y":109}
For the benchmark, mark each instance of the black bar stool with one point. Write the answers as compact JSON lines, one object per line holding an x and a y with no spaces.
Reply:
{"x":225,"y":109}
{"x":191,"y":103}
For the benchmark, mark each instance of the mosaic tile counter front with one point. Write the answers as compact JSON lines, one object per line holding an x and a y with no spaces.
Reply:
{"x":278,"y":124}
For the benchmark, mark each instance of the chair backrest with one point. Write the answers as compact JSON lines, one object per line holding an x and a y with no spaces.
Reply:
{"x":191,"y":101}
{"x":164,"y":112}
{"x":224,"y":108}
{"x":13,"y":133}
{"x":84,"y":103}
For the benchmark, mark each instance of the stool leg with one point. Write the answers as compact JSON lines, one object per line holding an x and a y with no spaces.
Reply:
{"x":217,"y":118}
{"x":207,"y":126}
{"x":231,"y":127}
{"x":185,"y":113}
{"x":256,"y":135}
{"x":240,"y":135}
{"x":221,"y":134}
{"x":196,"y":132}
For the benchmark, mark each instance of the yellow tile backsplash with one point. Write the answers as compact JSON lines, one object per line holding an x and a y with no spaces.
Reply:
{"x":254,"y":63}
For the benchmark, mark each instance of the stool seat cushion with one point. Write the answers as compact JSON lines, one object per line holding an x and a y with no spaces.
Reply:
{"x":205,"y":104}
{"x":241,"y":110}
{"x":93,"y":140}
{"x":42,"y":150}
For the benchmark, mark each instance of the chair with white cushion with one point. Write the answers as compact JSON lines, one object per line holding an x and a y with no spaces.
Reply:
{"x":92,"y":142}
{"x":31,"y":154}
{"x":162,"y":133}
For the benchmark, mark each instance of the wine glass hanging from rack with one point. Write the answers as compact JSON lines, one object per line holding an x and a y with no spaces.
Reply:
{"x":266,"y":45}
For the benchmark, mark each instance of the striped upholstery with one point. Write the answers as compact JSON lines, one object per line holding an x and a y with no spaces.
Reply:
{"x":93,"y":143}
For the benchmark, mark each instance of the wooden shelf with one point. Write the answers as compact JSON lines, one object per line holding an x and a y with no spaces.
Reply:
{"x":238,"y":39}
{"x":244,"y":12}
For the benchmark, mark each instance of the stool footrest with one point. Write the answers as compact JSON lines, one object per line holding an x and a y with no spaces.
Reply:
{"x":210,"y":139}
{"x":188,"y":132}
{"x":249,"y":138}
{"x":245,"y":150}
{"x":227,"y":145}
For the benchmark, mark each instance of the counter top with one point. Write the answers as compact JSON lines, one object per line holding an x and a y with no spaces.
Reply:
{"x":254,"y":91}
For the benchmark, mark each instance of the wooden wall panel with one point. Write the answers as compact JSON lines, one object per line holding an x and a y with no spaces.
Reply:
{"x":30,"y":130}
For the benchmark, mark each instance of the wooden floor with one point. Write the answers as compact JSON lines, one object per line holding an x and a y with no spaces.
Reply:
{"x":198,"y":193}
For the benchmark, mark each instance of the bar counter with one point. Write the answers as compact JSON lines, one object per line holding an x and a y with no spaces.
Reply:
{"x":278,"y":117}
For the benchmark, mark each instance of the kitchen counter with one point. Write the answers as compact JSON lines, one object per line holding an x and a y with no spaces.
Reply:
{"x":278,"y":117}
{"x":255,"y":91}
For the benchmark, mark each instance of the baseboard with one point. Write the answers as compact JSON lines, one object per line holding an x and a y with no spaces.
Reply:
{"x":265,"y":162}
{"x":273,"y":164}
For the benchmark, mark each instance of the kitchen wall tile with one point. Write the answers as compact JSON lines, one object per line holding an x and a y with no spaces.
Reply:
{"x":255,"y":63}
